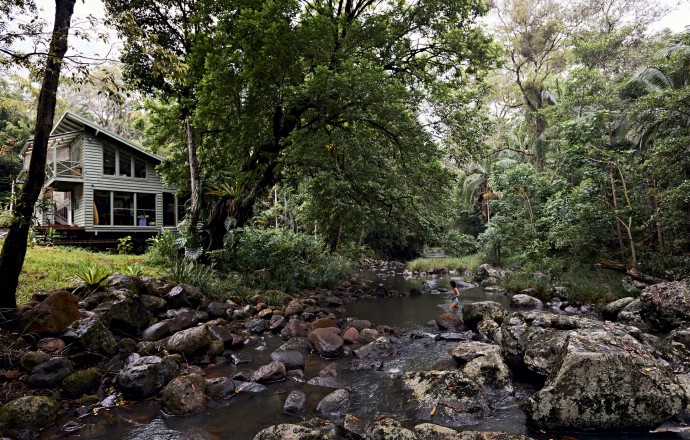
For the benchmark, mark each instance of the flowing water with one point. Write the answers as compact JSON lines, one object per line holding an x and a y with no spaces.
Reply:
{"x":375,"y":393}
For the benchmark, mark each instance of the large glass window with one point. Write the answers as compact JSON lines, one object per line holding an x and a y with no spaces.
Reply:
{"x":181,"y":208}
{"x":146,"y":210}
{"x":101,"y":208}
{"x":139,"y":168}
{"x":123,"y":208}
{"x":169,"y":210}
{"x":108,"y":160}
{"x":125,"y":164}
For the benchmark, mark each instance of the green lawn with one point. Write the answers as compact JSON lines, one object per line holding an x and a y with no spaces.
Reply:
{"x":50,"y":268}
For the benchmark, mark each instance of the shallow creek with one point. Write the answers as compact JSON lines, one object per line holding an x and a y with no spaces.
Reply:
{"x":374,"y":392}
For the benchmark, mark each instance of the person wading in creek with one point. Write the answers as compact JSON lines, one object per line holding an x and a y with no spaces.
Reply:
{"x":456,"y":295}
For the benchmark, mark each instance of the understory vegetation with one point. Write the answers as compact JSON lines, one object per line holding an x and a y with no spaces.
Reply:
{"x":49,"y":268}
{"x":555,"y":137}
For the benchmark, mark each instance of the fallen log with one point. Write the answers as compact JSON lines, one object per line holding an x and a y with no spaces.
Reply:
{"x":630,"y":271}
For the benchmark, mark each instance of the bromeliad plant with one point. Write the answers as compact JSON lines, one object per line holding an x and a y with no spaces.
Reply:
{"x":91,"y":279}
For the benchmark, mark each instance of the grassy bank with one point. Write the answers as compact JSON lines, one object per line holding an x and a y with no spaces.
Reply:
{"x":467,"y":263}
{"x":50,"y":268}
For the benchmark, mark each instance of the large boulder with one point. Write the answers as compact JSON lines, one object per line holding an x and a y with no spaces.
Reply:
{"x":605,"y":382}
{"x":51,"y":372}
{"x":90,"y":334}
{"x":28,"y":412}
{"x":273,"y":372}
{"x":380,"y":348}
{"x":220,"y":388}
{"x":484,"y":364}
{"x":448,"y":321}
{"x":326,"y":343}
{"x":473,"y":313}
{"x":81,"y":382}
{"x":335,"y":403}
{"x":542,"y":348}
{"x":290,"y":431}
{"x":429,"y":431}
{"x":126,"y":317}
{"x":184,"y":295}
{"x":292,"y":359}
{"x":486,"y":271}
{"x":52,"y":316}
{"x":389,"y":429}
{"x":192,"y":342}
{"x":294,"y":329}
{"x":666,"y":305}
{"x":295,"y":403}
{"x":462,"y":397}
{"x":612,"y":309}
{"x":145,"y":375}
{"x":184,"y":395}
{"x":126,"y":282}
{"x":526,"y":301}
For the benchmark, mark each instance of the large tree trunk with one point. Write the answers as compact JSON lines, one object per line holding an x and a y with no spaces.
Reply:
{"x":195,"y":180}
{"x":14,"y":250}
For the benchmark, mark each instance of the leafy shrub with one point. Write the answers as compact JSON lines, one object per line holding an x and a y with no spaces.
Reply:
{"x":456,"y":244}
{"x":278,"y":259}
{"x":165,"y":248}
{"x":5,"y":218}
{"x":124,"y":245}
{"x":189,"y":272}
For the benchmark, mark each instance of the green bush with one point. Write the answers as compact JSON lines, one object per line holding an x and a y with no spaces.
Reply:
{"x":165,"y":248}
{"x":456,"y":244}
{"x":124,"y":245}
{"x":278,"y":259}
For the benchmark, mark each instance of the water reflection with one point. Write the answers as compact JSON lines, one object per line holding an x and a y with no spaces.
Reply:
{"x":374,"y":393}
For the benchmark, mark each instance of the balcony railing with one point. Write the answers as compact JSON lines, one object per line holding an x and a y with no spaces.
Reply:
{"x":64,"y":169}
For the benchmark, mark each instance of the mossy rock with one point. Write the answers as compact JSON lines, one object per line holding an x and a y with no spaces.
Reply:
{"x":31,"y":359}
{"x":28,"y":412}
{"x":81,"y":382}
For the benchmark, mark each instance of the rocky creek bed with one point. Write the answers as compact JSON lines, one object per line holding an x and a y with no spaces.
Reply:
{"x":378,"y":357}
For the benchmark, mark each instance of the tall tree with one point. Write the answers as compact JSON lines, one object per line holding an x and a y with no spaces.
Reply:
{"x":14,"y":249}
{"x":160,"y":38}
{"x":334,"y":93}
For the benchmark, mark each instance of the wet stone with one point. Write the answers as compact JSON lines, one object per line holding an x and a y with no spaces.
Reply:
{"x":295,"y":402}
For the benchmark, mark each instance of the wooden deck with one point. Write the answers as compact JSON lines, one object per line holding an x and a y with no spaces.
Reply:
{"x":59,"y":227}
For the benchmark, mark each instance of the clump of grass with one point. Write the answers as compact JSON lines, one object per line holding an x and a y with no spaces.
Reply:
{"x":275,"y":298}
{"x":591,"y":286}
{"x":462,"y":264}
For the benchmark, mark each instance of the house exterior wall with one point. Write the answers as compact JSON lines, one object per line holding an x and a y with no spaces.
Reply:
{"x":95,"y":180}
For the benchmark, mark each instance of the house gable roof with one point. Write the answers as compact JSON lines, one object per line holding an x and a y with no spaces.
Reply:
{"x":72,"y":122}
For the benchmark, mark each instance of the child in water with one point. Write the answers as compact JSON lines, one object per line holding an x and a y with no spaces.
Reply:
{"x":456,"y":295}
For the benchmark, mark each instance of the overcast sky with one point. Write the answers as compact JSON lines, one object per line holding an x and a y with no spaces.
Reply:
{"x":676,"y":21}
